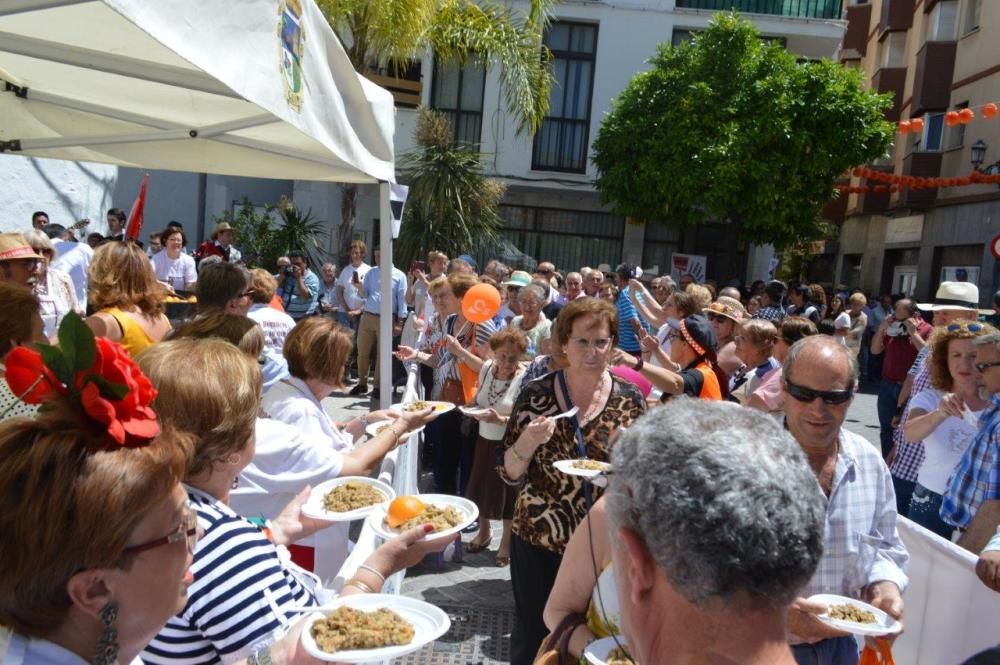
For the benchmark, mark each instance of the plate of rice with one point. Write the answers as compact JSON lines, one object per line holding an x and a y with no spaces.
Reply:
{"x":366,"y":628}
{"x":449,"y":514}
{"x":347,"y":499}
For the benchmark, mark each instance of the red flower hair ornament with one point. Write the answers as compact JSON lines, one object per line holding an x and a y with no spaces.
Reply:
{"x":97,"y":373}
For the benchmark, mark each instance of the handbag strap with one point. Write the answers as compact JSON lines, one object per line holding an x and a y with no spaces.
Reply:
{"x":559,"y":638}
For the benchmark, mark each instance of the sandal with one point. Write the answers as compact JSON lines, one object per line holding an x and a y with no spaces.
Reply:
{"x":502,"y":561}
{"x":472,"y":547}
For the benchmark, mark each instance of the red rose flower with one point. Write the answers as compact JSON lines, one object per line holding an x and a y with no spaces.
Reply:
{"x":130,"y":421}
{"x":24,"y":368}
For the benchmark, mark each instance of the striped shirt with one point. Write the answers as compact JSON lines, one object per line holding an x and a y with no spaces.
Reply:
{"x":627,"y":339}
{"x":240,"y":592}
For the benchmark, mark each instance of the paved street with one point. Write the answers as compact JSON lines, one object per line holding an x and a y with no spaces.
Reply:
{"x":476,"y":593}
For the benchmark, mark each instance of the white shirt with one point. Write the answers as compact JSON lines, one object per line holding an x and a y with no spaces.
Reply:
{"x":276,"y":325}
{"x":74,"y":259}
{"x":291,"y":402}
{"x":944,"y":447}
{"x":178,"y":273}
{"x":284,"y":463}
{"x":504,"y":404}
{"x":345,"y":281}
{"x":57,"y":298}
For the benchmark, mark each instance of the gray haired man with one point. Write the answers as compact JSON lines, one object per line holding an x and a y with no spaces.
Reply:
{"x":863,"y":556}
{"x":716,"y":527}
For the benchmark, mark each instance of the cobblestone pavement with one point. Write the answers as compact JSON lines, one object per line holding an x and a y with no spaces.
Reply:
{"x":476,"y":594}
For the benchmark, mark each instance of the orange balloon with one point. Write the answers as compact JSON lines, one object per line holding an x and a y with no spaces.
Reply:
{"x":903,"y":127}
{"x":403,"y":508}
{"x":481,"y":303}
{"x":965,"y":116}
{"x":990,"y":110}
{"x":917,"y":125}
{"x":951,"y":118}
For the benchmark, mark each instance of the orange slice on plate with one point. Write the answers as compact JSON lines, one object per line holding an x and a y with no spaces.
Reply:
{"x":403,"y":508}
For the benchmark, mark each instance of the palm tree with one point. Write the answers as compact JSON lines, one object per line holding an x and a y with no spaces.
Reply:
{"x":451,"y":206}
{"x":391,"y":32}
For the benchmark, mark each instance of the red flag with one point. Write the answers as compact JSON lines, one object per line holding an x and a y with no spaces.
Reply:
{"x":134,"y":226}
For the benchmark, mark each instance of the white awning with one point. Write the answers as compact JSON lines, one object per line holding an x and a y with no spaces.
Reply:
{"x":258,"y":88}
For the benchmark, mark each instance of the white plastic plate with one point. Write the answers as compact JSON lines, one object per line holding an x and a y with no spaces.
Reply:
{"x":566,"y":466}
{"x":429,"y":623}
{"x":373,"y":429}
{"x":439,"y":407}
{"x":884,"y":624}
{"x":314,"y":506}
{"x":377,"y":517}
{"x":597,"y":651}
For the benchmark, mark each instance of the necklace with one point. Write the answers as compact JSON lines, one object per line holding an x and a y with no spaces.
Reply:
{"x":493,"y":397}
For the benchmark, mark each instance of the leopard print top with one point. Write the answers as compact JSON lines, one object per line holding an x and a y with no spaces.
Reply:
{"x":550,"y":504}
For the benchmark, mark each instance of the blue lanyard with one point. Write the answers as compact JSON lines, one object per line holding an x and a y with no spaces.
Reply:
{"x":581,"y":447}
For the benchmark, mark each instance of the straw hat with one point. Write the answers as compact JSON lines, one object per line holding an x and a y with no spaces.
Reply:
{"x":954,"y":295}
{"x":13,"y":246}
{"x":728,"y":307}
{"x":219,"y":228}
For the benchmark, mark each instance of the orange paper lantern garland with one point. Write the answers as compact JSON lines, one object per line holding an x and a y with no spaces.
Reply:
{"x":892,"y":183}
{"x":964,"y":116}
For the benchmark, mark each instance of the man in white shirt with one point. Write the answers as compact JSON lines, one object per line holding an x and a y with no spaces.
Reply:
{"x":73,"y":258}
{"x":863,"y":555}
{"x":349,"y":286}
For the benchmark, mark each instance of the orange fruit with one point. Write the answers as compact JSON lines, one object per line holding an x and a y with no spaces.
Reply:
{"x":403,"y":508}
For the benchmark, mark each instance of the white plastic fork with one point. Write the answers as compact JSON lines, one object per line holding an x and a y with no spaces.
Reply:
{"x":569,"y":414}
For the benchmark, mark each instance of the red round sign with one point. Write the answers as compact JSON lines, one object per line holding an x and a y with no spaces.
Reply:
{"x":995,"y":247}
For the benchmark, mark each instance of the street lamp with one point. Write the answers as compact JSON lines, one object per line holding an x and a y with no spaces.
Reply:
{"x":978,"y":153}
{"x":979,"y":156}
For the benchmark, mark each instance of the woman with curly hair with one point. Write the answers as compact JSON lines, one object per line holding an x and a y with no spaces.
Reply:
{"x":944,"y":417}
{"x":127,"y":301}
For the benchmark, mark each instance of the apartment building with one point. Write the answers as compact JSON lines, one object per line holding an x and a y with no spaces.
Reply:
{"x":933,"y":56}
{"x":551,"y":209}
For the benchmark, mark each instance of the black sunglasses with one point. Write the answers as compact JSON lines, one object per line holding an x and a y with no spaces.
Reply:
{"x":982,"y":367}
{"x":803,"y":394}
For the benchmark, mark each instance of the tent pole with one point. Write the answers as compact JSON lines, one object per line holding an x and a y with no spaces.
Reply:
{"x":386,"y":309}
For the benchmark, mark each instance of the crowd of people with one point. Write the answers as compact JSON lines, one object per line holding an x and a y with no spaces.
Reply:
{"x":178,"y":453}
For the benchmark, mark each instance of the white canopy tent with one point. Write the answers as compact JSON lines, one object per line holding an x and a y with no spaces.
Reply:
{"x":258,"y":88}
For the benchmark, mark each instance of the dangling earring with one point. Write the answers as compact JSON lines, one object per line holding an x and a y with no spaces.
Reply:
{"x":107,"y":645}
{"x":234,"y":459}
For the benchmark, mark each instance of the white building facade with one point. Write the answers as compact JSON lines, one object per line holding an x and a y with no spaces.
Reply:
{"x":552,"y":210}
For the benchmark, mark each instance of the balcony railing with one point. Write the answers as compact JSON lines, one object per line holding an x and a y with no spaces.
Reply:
{"x":790,"y":8}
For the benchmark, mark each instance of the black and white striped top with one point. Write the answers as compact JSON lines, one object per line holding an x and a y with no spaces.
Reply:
{"x":239,"y":596}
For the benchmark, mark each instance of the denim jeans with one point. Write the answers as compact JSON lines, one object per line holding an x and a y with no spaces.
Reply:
{"x":832,"y":651}
{"x":888,"y":394}
{"x":904,"y":490}
{"x":925,"y":510}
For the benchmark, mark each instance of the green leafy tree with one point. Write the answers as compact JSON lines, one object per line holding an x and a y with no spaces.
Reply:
{"x":380,"y":33}
{"x":730,"y":128}
{"x":451,"y":206}
{"x":264,"y":236}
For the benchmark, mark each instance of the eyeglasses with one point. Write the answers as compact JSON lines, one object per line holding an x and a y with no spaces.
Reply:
{"x":187,"y":531}
{"x":982,"y":367}
{"x":247,"y":294}
{"x":598,"y":344}
{"x":544,"y":272}
{"x":970,"y":327}
{"x":832,"y":397}
{"x":44,"y":251}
